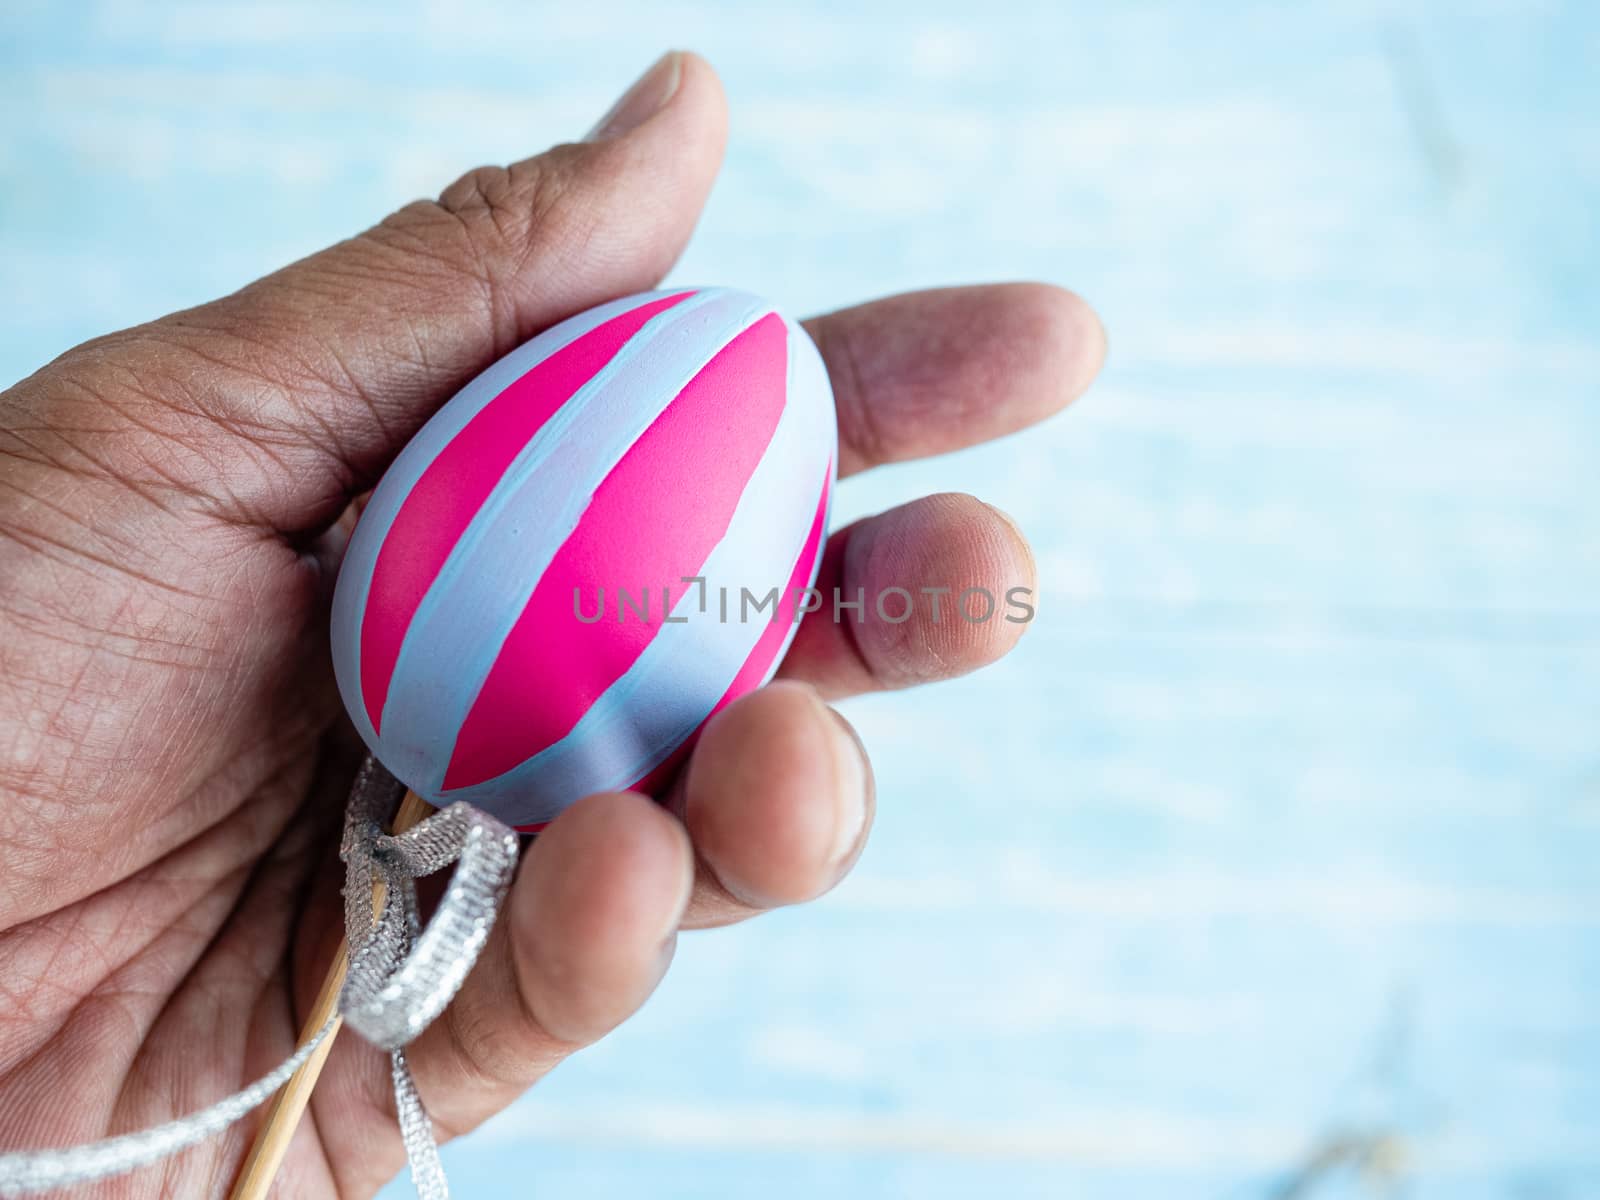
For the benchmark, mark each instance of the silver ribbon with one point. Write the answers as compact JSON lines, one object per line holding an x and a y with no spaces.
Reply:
{"x":402,"y":975}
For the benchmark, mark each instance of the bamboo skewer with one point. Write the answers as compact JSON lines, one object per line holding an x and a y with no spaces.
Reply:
{"x":289,"y":1105}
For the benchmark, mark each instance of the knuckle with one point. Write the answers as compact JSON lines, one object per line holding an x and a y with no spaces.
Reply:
{"x":541,"y":208}
{"x":509,"y":211}
{"x":486,"y":192}
{"x":484,"y":232}
{"x":859,"y":422}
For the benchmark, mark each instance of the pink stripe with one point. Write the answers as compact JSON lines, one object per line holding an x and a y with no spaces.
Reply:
{"x":653,"y":519}
{"x":760,"y":660}
{"x":756,"y":666}
{"x":443,"y":501}
{"x":761,"y":657}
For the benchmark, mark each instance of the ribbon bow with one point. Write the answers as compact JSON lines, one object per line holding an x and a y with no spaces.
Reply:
{"x":401,"y":977}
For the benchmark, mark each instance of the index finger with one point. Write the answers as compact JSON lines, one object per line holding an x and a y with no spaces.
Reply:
{"x":928,"y":372}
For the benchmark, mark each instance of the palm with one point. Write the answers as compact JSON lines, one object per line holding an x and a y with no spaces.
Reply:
{"x":163,"y":823}
{"x":173,"y":759}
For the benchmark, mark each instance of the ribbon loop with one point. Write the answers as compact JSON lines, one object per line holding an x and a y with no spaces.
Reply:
{"x":399,"y":980}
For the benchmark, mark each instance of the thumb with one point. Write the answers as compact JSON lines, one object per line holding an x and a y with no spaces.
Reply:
{"x":303,"y":385}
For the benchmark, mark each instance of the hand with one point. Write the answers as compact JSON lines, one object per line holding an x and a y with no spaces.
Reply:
{"x":173,"y":755}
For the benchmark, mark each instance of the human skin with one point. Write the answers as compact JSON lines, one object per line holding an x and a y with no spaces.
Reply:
{"x":174,"y":499}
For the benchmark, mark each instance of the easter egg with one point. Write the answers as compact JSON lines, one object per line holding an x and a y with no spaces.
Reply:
{"x":570,"y":567}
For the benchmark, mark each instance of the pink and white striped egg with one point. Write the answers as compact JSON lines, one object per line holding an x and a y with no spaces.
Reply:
{"x":517,"y":622}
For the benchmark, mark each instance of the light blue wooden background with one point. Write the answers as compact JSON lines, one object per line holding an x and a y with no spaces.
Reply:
{"x":1269,"y":867}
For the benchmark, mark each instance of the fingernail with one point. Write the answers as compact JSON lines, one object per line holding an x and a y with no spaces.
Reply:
{"x":852,"y":782}
{"x":648,"y":96}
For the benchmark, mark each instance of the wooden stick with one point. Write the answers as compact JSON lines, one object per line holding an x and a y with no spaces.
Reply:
{"x":289,"y":1105}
